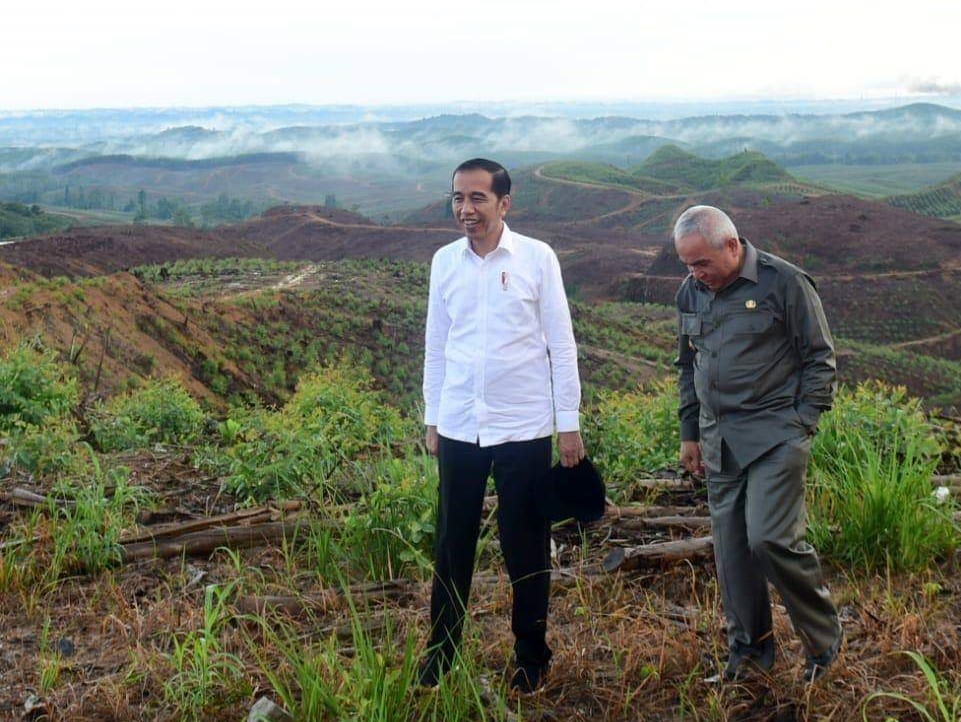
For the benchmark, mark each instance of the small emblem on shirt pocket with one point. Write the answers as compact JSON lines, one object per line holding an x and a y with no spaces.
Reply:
{"x":750,"y":303}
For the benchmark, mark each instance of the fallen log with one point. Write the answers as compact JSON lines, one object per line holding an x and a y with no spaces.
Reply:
{"x":647,"y":555}
{"x":207,"y":541}
{"x":250,"y":516}
{"x":630,"y":512}
{"x":324,"y":601}
{"x":24,"y":497}
{"x":663,"y":484}
{"x":665,"y":522}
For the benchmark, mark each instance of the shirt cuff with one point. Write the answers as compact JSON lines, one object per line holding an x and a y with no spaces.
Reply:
{"x":430,"y":416}
{"x":568,"y":421}
{"x":691,"y":430}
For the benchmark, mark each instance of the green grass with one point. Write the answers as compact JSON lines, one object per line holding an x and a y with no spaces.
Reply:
{"x":943,"y":692}
{"x":670,"y":163}
{"x":608,"y":175}
{"x":871,"y":496}
{"x":877,"y":181}
{"x":632,"y":434}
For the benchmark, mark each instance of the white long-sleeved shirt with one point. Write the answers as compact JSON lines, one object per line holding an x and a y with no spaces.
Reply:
{"x":500,"y":362}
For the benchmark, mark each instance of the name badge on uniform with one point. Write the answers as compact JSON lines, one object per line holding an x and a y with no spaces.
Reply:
{"x":750,"y":303}
{"x":505,"y":279}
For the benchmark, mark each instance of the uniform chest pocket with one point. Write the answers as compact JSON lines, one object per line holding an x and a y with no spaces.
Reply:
{"x":691,"y":324}
{"x":753,"y":322}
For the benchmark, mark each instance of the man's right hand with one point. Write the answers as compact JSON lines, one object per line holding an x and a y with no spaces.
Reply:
{"x":431,"y":440}
{"x":691,"y":457}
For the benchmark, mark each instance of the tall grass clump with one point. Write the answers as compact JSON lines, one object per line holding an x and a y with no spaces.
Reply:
{"x":161,"y":411}
{"x":943,"y":703}
{"x":373,"y":680}
{"x":871,"y":498}
{"x":37,"y":396}
{"x":333,"y":418}
{"x":78,"y":530}
{"x":205,"y":675}
{"x":630,"y":434}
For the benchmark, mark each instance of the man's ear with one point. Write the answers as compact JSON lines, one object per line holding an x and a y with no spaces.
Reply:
{"x":733,"y":245}
{"x":505,"y":204}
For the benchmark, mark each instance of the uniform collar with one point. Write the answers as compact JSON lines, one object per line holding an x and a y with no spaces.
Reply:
{"x":749,"y":269}
{"x":506,"y":242}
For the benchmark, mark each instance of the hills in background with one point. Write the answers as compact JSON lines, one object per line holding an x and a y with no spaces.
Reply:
{"x":604,"y":191}
{"x":396,"y":164}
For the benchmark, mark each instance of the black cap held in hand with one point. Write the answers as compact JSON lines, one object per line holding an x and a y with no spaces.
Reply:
{"x":571,"y":492}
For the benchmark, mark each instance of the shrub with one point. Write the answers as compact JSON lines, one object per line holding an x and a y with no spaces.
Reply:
{"x":871,"y":495}
{"x":47,"y":448}
{"x":333,"y":417}
{"x":633,"y":433}
{"x":33,"y":387}
{"x":160,"y":411}
{"x":37,"y":394}
{"x":392,"y":525}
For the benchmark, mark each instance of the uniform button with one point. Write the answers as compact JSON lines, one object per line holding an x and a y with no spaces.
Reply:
{"x":714,"y":384}
{"x":713,"y":354}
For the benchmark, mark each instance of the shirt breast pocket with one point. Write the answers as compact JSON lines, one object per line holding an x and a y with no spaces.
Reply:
{"x":692,"y":326}
{"x":752,"y":337}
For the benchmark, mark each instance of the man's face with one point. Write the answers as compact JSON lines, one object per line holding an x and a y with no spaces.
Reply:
{"x":477,"y":208}
{"x":714,"y":267}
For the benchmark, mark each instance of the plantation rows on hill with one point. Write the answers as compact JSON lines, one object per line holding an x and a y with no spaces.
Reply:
{"x":941,"y":201}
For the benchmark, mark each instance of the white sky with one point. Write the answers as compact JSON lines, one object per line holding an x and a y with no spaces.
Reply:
{"x":116,"y":53}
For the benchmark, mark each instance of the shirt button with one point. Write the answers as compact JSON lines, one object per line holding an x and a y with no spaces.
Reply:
{"x":713,"y":354}
{"x":714,"y":384}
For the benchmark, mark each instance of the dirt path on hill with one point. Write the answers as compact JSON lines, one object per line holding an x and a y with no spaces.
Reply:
{"x":296,"y":279}
{"x":634,"y":364}
{"x":930,"y":339}
{"x":312,"y":216}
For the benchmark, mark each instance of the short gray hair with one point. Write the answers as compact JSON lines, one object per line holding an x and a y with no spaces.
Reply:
{"x":710,"y":223}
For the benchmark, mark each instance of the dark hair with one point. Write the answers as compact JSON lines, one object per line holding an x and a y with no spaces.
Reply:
{"x":500,"y":179}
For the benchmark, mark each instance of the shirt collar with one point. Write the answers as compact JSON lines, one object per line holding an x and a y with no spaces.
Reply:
{"x":749,"y":269}
{"x":506,"y":242}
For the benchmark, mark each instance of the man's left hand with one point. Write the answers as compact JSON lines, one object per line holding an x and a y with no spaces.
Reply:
{"x":571,"y":447}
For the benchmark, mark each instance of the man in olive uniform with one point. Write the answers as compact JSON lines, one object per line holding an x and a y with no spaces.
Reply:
{"x":757,"y":369}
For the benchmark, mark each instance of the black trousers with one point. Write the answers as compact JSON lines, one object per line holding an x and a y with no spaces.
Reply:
{"x":524,"y":537}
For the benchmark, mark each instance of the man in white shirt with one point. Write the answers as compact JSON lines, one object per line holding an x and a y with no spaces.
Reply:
{"x":500,"y":376}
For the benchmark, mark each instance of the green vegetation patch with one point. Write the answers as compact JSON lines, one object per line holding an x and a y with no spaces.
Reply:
{"x":18,"y":220}
{"x":670,"y":163}
{"x":872,"y":503}
{"x":334,"y":418}
{"x":159,"y":412}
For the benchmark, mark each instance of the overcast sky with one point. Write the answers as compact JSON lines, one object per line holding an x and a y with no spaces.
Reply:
{"x":117,"y":53}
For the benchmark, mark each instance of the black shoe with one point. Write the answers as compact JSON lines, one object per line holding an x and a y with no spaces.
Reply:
{"x":528,"y":679}
{"x":432,"y":668}
{"x":817,"y":667}
{"x":745,"y":664}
